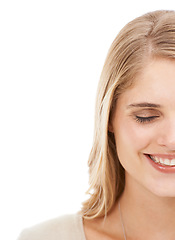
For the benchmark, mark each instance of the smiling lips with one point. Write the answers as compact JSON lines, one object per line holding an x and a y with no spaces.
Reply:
{"x":164,"y":161}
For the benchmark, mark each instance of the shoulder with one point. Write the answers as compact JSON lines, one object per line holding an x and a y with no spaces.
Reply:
{"x":68,"y":227}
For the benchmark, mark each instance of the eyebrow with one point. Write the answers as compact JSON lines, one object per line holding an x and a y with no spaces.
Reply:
{"x":144,"y":104}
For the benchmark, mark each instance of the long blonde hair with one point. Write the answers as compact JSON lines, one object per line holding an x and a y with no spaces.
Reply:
{"x":151,"y":35}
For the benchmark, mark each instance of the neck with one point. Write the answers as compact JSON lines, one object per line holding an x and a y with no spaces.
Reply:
{"x":146,"y":215}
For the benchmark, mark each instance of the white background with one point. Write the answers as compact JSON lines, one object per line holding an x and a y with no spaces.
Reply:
{"x":51,"y":56}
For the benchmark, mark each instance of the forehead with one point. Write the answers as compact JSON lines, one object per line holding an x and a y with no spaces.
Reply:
{"x":156,"y":83}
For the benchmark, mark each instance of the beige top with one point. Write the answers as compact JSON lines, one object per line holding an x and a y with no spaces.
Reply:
{"x":69,"y":227}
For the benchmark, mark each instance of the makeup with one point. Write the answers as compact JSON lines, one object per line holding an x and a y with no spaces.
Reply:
{"x":162,"y":163}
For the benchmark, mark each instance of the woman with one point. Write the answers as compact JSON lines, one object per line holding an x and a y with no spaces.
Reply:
{"x":132,"y":162}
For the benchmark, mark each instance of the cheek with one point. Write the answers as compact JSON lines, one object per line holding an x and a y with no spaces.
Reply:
{"x":132,"y":138}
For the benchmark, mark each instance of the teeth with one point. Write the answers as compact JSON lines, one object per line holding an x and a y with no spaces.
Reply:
{"x":163,"y":161}
{"x":156,"y":159}
{"x":167,"y":162}
{"x":172,"y":162}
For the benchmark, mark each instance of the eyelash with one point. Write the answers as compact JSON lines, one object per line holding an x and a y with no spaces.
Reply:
{"x":145,"y":119}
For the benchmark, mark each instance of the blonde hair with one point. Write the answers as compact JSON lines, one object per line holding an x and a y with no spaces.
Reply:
{"x":151,"y":35}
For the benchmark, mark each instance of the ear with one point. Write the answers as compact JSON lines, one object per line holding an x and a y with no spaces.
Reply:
{"x":110,"y":127}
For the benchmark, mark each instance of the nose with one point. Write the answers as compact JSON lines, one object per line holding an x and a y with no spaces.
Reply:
{"x":166,"y":135}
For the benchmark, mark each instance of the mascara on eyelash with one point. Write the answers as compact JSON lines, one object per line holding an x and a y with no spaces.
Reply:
{"x":145,"y":119}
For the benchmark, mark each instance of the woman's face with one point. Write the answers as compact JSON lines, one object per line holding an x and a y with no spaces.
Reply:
{"x":144,"y":129}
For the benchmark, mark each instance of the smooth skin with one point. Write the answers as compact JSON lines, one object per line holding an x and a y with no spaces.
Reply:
{"x":144,"y":124}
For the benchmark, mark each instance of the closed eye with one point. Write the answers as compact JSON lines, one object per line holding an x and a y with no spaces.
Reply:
{"x":145,"y":119}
